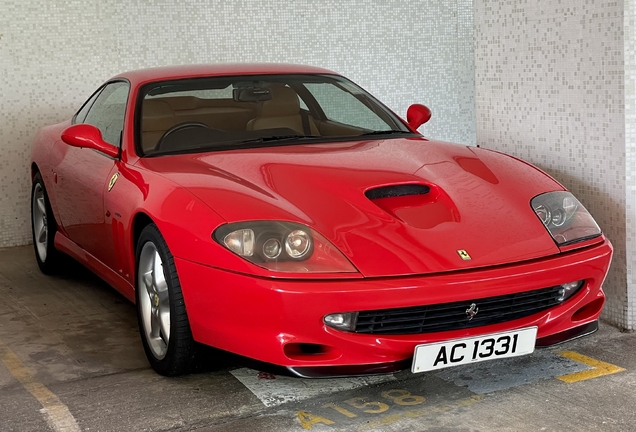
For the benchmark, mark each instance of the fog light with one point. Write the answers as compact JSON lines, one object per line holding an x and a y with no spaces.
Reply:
{"x":568,"y":289}
{"x":342,"y":321}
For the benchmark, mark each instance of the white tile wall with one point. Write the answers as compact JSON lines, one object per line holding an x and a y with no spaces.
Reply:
{"x":53,"y":54}
{"x":630,"y":156}
{"x":550,"y":89}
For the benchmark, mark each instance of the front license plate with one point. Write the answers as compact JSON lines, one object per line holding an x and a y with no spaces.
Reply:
{"x":457,"y":352}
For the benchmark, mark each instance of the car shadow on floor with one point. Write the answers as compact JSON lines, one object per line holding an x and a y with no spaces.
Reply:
{"x":70,"y":271}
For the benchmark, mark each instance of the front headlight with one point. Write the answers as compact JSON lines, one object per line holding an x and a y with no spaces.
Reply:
{"x":283,"y":246}
{"x":565,"y":217}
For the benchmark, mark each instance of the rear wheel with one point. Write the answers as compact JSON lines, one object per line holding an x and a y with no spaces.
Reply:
{"x":43,"y":227}
{"x":163,"y":320}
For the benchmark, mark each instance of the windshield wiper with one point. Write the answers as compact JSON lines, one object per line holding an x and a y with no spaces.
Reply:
{"x":277,"y":138}
{"x":387,"y":132}
{"x":226,"y":145}
{"x":283,"y":138}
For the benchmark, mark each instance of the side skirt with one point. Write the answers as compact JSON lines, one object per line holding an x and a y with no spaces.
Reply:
{"x":65,"y":245}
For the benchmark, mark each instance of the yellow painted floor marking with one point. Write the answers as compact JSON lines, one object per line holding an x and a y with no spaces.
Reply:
{"x":390,"y":419}
{"x":599,"y":368}
{"x":58,"y":416}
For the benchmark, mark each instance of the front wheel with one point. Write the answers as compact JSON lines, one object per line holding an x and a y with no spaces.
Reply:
{"x":163,"y":320}
{"x":43,"y":227}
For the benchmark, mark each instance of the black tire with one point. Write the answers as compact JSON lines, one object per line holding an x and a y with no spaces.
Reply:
{"x":44,"y":223}
{"x":179,"y":354}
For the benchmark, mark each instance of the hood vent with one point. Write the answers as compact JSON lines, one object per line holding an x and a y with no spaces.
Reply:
{"x":397,"y":191}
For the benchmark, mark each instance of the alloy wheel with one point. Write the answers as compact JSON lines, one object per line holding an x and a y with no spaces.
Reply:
{"x":154,"y":300}
{"x":40,"y":223}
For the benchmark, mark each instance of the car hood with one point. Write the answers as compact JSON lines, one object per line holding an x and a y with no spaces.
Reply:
{"x":476,"y":212}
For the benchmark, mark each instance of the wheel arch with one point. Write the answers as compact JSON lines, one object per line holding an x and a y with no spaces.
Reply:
{"x":34,"y":170}
{"x":140,"y":221}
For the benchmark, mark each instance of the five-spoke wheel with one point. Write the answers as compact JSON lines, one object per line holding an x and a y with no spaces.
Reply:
{"x":43,"y":226}
{"x":154,"y":302}
{"x":163,"y":320}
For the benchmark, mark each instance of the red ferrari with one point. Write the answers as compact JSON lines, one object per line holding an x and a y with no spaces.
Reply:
{"x":284,"y":214}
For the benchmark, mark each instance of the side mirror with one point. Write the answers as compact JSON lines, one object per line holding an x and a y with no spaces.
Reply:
{"x":417,"y":115}
{"x":88,"y":136}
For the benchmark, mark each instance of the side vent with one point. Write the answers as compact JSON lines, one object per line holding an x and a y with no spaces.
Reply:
{"x":397,"y":191}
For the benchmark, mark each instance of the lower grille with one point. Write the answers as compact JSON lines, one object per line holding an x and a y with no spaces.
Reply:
{"x":455,"y":316}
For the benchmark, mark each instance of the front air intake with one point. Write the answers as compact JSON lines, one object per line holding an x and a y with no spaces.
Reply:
{"x":397,"y":191}
{"x":455,"y":316}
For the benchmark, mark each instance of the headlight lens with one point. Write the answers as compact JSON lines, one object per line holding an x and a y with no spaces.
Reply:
{"x":240,"y":242}
{"x":271,"y":248}
{"x":283,"y":246}
{"x":297,"y":244}
{"x":565,"y":217}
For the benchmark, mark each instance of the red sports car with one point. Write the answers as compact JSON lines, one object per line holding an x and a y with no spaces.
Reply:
{"x":283,"y":214}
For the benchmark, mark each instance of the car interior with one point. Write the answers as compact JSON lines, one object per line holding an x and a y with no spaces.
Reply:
{"x":170,"y":122}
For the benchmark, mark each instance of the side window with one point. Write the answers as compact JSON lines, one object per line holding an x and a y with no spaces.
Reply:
{"x":81,"y":114}
{"x":108,"y":111}
{"x":343,"y":107}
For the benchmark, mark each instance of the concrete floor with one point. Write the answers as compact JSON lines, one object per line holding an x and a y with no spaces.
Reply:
{"x":71,"y":360}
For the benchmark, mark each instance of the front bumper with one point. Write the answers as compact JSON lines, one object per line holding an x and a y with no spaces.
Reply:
{"x":281,"y":321}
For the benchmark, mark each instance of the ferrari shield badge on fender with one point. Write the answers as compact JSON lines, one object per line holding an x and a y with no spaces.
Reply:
{"x":113,"y":179}
{"x":463,"y":255}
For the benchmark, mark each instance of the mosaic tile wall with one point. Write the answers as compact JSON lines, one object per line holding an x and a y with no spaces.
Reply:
{"x":550,"y":82}
{"x":630,"y":156}
{"x":53,"y":54}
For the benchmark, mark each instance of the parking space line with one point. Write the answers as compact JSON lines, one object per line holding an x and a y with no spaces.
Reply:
{"x":58,"y":416}
{"x":599,"y":368}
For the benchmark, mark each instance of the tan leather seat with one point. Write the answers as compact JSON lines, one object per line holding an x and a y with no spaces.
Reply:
{"x":282,"y":111}
{"x":158,"y":117}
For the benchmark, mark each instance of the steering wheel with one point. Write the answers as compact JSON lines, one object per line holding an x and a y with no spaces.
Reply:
{"x":179,"y":127}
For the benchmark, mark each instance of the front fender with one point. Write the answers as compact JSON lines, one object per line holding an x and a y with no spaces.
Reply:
{"x":184,"y":220}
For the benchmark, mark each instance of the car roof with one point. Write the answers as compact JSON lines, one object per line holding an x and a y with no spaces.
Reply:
{"x":141,"y":76}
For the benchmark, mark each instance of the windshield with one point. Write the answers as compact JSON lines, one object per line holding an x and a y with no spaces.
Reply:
{"x":210,"y":114}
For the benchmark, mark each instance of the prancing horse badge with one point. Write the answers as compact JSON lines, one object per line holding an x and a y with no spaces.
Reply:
{"x":113,"y":179}
{"x":463,"y":255}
